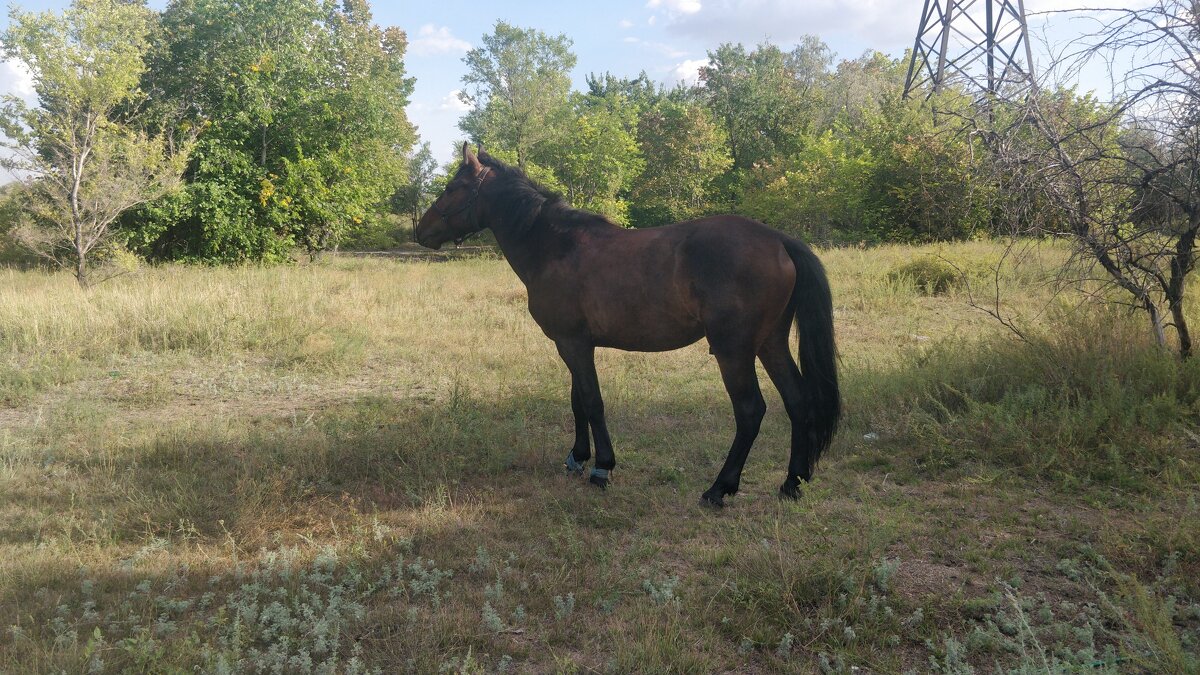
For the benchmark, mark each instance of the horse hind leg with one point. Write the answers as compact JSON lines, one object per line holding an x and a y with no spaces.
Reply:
{"x":741,"y":382}
{"x":782,"y":369}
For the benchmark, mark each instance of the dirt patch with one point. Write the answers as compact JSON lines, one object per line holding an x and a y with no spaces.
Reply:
{"x":918,"y":579}
{"x":11,"y":417}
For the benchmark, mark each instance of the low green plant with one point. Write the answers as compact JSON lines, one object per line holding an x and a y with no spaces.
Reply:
{"x":491,"y":619}
{"x":662,"y":592}
{"x":564,"y":606}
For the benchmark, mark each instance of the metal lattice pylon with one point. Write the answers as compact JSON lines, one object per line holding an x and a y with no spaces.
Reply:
{"x":979,"y":43}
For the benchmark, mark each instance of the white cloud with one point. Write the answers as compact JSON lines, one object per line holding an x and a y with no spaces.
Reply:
{"x":625,"y":23}
{"x":887,"y":25}
{"x":688,"y":72}
{"x":666,"y":50}
{"x":452,"y":103}
{"x":16,"y":79}
{"x":437,"y":40}
{"x":660,"y":47}
{"x":676,"y":6}
{"x":1034,"y":6}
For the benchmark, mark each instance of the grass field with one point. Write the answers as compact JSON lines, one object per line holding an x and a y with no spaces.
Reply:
{"x":356,"y":466}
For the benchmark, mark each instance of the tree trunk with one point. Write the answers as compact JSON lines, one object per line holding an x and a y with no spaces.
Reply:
{"x":1181,"y":329}
{"x":81,"y":271}
{"x":1181,"y":266}
{"x":1156,"y":324}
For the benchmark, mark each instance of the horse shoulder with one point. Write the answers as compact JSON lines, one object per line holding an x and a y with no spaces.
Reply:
{"x":554,"y":301}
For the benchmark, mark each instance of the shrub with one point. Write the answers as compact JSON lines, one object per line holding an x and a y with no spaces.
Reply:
{"x":929,"y":275}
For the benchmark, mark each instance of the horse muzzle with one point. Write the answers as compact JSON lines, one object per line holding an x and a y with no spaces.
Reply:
{"x":422,"y":238}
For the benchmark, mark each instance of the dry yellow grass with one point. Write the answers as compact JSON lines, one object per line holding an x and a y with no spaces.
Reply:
{"x":182,"y":447}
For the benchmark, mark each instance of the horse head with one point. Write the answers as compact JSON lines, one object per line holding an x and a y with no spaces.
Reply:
{"x":453,"y":216}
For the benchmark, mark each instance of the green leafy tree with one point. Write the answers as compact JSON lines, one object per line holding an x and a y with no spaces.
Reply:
{"x":860,"y":87}
{"x":518,"y":82}
{"x":875,"y":167}
{"x":597,"y":159}
{"x":685,"y":153}
{"x":415,"y":195}
{"x":83,"y":160}
{"x":926,"y":184}
{"x":766,"y":98}
{"x":304,"y":135}
{"x":822,"y":192}
{"x":639,"y":92}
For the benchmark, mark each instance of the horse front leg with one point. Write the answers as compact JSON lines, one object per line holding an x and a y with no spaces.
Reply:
{"x":581,"y":452}
{"x":580,"y":358}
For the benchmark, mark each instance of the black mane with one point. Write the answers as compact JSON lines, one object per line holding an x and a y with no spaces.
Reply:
{"x":520,"y":201}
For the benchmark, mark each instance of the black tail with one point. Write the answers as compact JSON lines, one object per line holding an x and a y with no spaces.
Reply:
{"x":818,"y":353}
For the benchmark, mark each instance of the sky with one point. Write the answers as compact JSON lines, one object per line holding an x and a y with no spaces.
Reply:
{"x":668,"y":39}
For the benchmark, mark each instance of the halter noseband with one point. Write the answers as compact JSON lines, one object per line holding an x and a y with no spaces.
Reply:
{"x":469,"y":204}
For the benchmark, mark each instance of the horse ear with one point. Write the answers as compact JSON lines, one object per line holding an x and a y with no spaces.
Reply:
{"x":469,"y":157}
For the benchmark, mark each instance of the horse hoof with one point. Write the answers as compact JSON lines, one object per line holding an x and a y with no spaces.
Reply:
{"x":789,"y":492}
{"x":599,"y":478}
{"x":573,"y":466}
{"x":710,"y":502}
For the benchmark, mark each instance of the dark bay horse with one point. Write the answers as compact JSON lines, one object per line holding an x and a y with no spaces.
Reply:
{"x":593,"y":284}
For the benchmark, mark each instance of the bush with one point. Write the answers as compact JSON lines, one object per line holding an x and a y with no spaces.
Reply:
{"x":379,"y":234}
{"x":929,"y":275}
{"x":12,"y":253}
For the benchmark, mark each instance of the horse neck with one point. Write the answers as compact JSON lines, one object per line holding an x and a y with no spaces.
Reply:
{"x":527,"y":247}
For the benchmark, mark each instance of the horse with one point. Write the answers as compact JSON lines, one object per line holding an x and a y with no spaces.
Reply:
{"x":592,"y":283}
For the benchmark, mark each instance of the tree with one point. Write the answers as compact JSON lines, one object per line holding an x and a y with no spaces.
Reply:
{"x":639,"y":92}
{"x":685,"y":152}
{"x":414,"y":196}
{"x":859,"y":87}
{"x":874,"y":167}
{"x":1123,"y":180}
{"x":765,"y":98}
{"x":519,"y":81}
{"x":821,"y":192}
{"x":925,"y":182}
{"x":597,"y":157}
{"x":79,"y":152}
{"x":304,"y":137}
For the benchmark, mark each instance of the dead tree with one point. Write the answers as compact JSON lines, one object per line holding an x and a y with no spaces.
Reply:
{"x":1121,"y":180}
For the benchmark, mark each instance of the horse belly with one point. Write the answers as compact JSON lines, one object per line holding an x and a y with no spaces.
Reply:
{"x":642,"y":325}
{"x":635,"y":296}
